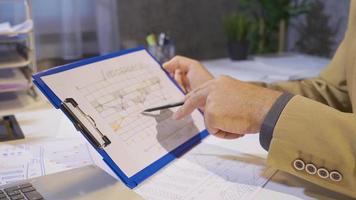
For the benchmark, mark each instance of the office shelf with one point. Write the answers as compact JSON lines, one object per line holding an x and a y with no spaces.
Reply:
{"x":17,"y":53}
{"x":14,"y":79}
{"x":13,"y":39}
{"x":13,"y":59}
{"x":16,"y":89}
{"x":22,"y":29}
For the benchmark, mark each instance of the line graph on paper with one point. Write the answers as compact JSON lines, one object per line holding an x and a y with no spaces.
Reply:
{"x":119,"y":95}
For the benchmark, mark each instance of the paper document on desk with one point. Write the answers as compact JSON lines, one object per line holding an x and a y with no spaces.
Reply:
{"x":23,"y":161}
{"x":7,"y":29}
{"x":209,"y":172}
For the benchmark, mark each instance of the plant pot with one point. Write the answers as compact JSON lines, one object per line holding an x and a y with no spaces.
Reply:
{"x":238,"y":50}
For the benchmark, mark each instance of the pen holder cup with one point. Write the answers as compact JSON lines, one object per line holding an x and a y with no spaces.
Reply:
{"x":162,"y":53}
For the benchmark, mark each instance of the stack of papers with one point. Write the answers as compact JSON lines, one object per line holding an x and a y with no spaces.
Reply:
{"x":11,"y":58}
{"x":12,"y":80}
{"x":8,"y":30}
{"x":209,"y":172}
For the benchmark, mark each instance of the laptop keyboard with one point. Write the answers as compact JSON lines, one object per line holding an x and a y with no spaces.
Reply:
{"x":20,"y":192}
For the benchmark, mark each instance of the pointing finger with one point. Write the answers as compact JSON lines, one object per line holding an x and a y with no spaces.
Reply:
{"x":193,"y":100}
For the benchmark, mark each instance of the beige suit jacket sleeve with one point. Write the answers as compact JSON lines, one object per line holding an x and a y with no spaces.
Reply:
{"x":320,"y":135}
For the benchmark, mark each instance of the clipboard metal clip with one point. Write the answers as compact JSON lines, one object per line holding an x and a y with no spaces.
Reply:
{"x":80,"y":126}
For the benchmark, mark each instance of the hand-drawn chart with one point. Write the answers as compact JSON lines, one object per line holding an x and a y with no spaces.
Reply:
{"x":120,"y":95}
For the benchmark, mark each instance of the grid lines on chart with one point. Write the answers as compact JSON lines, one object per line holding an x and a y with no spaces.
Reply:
{"x":120,"y":97}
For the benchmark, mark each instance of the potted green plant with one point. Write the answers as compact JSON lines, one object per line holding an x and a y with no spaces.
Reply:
{"x":273,"y":17}
{"x":237,"y":27}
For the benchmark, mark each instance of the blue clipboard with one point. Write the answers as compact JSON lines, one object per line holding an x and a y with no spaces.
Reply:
{"x":149,"y":170}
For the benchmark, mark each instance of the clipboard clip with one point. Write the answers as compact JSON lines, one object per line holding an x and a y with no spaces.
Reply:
{"x":81,"y":127}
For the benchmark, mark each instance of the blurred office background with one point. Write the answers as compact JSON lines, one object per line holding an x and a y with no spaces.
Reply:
{"x":67,"y":30}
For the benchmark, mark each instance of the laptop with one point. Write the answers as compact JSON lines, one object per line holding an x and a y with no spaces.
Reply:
{"x":85,"y":183}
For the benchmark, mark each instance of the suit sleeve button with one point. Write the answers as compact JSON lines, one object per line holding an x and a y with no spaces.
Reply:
{"x":335,"y":176}
{"x":310,"y":169}
{"x":323,"y":173}
{"x":298,"y":164}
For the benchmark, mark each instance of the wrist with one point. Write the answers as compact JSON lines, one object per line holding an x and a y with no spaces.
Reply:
{"x":269,"y":99}
{"x":270,"y":121}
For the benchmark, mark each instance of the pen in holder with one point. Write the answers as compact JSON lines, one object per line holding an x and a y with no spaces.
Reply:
{"x":163,"y":50}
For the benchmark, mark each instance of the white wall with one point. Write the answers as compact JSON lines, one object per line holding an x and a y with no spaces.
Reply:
{"x":53,"y":18}
{"x":48,"y":26}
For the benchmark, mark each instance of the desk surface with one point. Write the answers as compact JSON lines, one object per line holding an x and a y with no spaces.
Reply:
{"x":45,"y":123}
